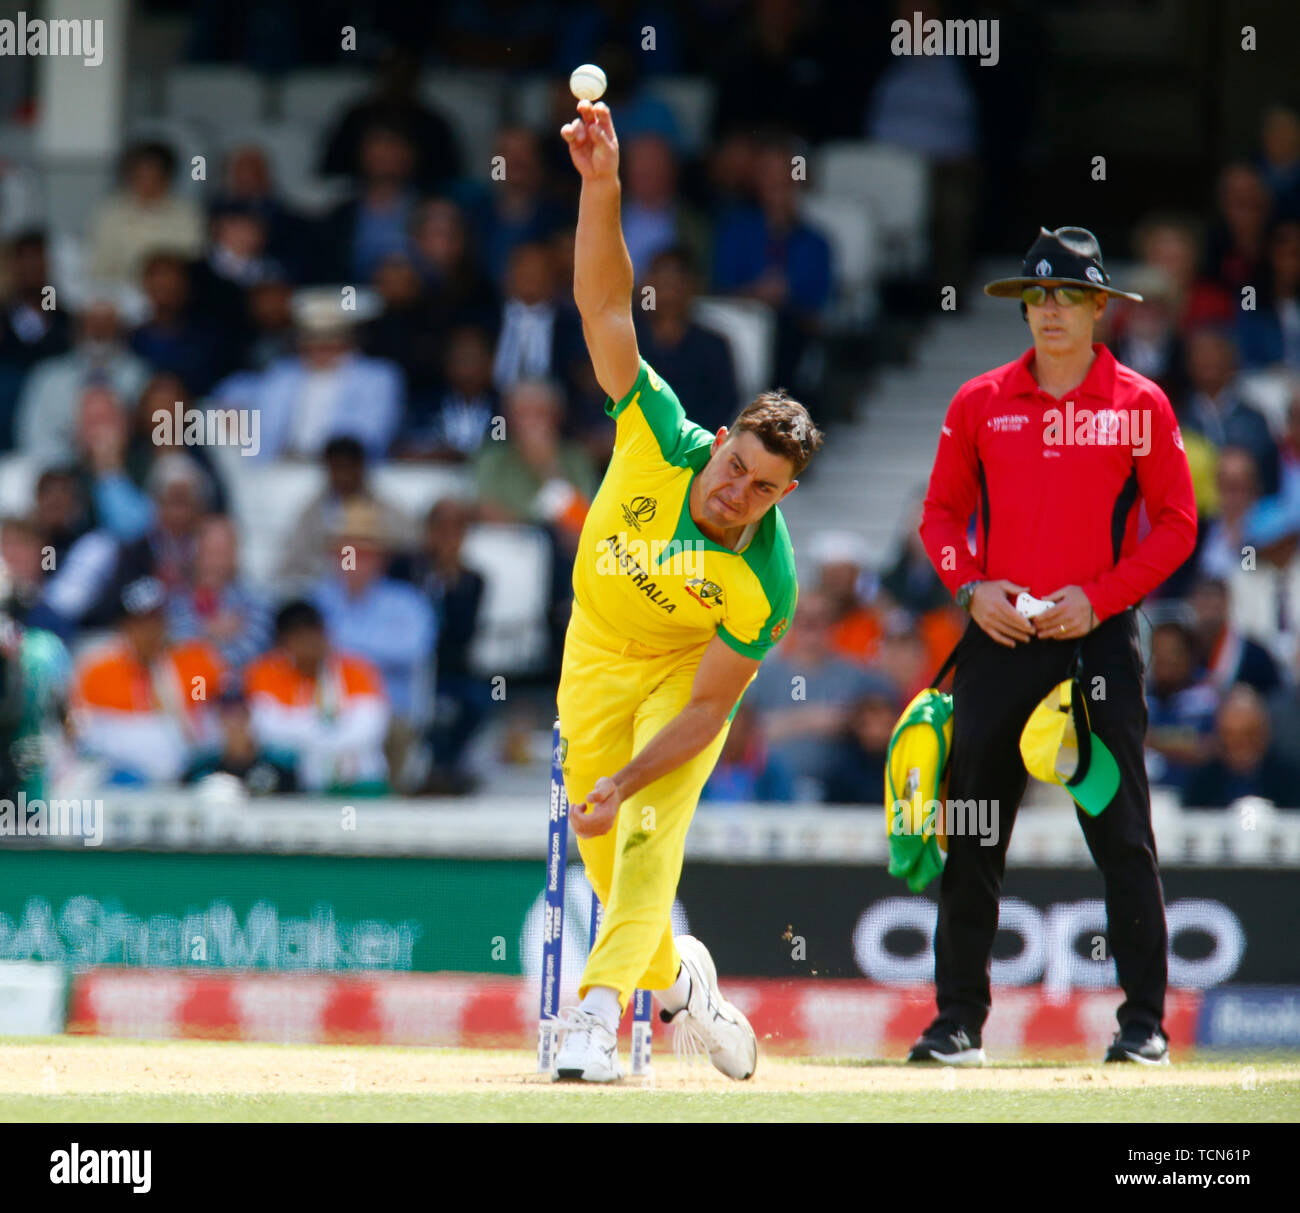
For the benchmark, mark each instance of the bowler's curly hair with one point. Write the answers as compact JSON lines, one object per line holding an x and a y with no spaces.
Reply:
{"x":783,"y":426}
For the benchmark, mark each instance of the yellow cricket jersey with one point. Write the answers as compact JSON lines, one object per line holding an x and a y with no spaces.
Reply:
{"x":645,"y":572}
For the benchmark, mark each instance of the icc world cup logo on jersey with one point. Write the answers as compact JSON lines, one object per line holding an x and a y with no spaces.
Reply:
{"x":639,"y":510}
{"x":707,"y":593}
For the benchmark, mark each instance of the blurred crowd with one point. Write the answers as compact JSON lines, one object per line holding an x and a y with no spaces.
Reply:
{"x":425,"y":317}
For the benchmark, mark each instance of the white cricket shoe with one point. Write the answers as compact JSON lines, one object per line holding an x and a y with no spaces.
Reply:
{"x":709,"y":1023}
{"x":588,"y":1049}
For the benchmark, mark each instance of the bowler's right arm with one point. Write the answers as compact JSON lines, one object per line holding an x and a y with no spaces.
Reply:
{"x":602,"y":269}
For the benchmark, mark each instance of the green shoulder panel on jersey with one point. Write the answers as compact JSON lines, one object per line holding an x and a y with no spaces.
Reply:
{"x":770,"y":556}
{"x":651,"y":421}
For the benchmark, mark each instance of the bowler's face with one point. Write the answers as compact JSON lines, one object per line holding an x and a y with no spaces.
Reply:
{"x":742,"y":480}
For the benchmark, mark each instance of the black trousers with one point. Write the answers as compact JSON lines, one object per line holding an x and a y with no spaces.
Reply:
{"x":994,"y":691}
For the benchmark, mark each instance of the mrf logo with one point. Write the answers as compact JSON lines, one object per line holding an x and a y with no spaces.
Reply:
{"x":706,"y":593}
{"x":639,"y":510}
{"x":778,"y":629}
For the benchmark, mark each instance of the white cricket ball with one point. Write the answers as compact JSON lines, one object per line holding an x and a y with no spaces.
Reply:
{"x":587,"y":82}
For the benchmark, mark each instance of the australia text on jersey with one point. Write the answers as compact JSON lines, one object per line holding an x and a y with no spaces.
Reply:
{"x":622,"y":553}
{"x":619,"y":555}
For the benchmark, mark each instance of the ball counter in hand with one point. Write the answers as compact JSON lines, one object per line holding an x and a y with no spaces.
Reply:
{"x":587,"y":82}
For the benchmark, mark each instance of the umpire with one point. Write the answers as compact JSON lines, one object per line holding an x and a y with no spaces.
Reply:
{"x":1052,"y":453}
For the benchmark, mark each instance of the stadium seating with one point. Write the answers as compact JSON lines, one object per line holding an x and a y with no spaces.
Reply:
{"x":471,"y":103}
{"x":515,"y":563}
{"x":291,"y":153}
{"x":1270,"y":392}
{"x":750,"y":329}
{"x":267,"y":499}
{"x":850,"y":227}
{"x":529,"y":102}
{"x":202,"y":93}
{"x":187,"y":137}
{"x":691,"y":100}
{"x":895,"y":182}
{"x":317,"y":98}
{"x":18,"y":473}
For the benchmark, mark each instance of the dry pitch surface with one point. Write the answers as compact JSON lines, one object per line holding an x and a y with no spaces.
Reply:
{"x":90,"y":1078}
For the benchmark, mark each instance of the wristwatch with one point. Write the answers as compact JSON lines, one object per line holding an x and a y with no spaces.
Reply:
{"x":964,"y":593}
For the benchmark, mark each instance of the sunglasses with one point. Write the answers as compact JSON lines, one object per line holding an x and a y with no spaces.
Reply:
{"x":1067,"y":296}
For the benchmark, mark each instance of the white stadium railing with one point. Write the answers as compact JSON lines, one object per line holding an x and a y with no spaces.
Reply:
{"x":514,"y":827}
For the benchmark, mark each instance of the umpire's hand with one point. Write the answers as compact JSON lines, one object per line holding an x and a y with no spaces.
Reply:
{"x":1072,"y":616}
{"x":992,"y":607}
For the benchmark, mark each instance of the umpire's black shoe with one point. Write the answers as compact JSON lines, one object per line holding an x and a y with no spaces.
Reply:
{"x":1140,"y":1043}
{"x":949,"y":1044}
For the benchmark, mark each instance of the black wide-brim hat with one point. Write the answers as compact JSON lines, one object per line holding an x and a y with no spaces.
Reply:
{"x":1069,"y":256}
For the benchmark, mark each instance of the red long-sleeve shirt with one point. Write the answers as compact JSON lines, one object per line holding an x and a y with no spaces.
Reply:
{"x":1057,"y":484}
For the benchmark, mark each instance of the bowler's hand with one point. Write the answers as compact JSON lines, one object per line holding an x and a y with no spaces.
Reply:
{"x":991,"y":607}
{"x":593,"y":146}
{"x":1070,"y":618}
{"x":600,"y":810}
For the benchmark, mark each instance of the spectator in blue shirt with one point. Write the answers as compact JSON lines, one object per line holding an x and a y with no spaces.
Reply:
{"x":216,"y":605}
{"x":518,"y":209}
{"x":456,"y":593}
{"x":747,"y":768}
{"x":806,"y":693}
{"x":369,"y":613}
{"x":31,"y":328}
{"x":455,"y":421}
{"x":1229,"y":656}
{"x":362,"y":231}
{"x":1246,"y":763}
{"x":1269,"y":335}
{"x":767,"y":252}
{"x":1181,"y":702}
{"x":857,"y":776}
{"x":1216,"y":409}
{"x":459,"y":287}
{"x":1279,"y":163}
{"x":327,"y":390}
{"x":654,"y":215}
{"x":175,"y":338}
{"x":684,"y":353}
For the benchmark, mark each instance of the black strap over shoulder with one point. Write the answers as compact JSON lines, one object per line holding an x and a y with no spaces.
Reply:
{"x":948,"y":663}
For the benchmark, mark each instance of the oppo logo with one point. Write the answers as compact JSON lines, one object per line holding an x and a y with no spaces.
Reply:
{"x":1047,"y":939}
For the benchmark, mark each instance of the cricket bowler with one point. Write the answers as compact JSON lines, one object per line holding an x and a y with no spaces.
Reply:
{"x":684,"y":580}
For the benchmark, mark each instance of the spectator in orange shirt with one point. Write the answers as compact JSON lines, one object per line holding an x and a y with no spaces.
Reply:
{"x":321,"y":712}
{"x":940,"y":629}
{"x":142,"y":704}
{"x":905,"y":657}
{"x":846,"y":585}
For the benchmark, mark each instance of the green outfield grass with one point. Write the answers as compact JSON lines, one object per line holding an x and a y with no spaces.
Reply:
{"x":1184,"y":1105}
{"x":83,"y":1079}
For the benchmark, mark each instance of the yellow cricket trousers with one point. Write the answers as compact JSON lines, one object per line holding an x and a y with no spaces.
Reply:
{"x":612,"y":700}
